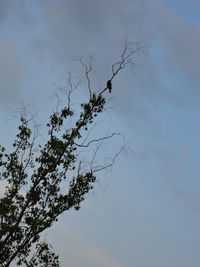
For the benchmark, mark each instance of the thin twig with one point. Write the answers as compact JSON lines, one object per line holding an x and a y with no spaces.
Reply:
{"x":98,"y":139}
{"x":88,"y":69}
{"x":101,"y":168}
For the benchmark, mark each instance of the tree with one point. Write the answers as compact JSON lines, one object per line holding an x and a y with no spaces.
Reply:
{"x":43,"y":169}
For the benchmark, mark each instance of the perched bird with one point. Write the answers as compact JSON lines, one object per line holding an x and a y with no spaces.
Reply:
{"x":109,"y":85}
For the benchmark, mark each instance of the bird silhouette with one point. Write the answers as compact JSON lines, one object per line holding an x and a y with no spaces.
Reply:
{"x":109,"y":86}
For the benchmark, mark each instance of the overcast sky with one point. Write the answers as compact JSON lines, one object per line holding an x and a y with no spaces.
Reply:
{"x":145,"y":212}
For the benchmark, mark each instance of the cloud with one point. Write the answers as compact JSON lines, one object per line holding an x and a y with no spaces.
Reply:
{"x":9,"y":8}
{"x":89,"y":254}
{"x":83,"y":28}
{"x":178,"y":47}
{"x":166,"y":72}
{"x":11,"y":72}
{"x":87,"y":27}
{"x":4,"y":5}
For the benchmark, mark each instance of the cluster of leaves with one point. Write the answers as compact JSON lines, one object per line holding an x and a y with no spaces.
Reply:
{"x":24,"y":216}
{"x":43,"y":257}
{"x":34,"y":196}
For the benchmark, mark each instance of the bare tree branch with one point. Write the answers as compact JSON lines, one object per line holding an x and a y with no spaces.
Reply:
{"x":101,"y":168}
{"x":98,"y":139}
{"x":72,"y":88}
{"x":125,"y":59}
{"x":88,"y":69}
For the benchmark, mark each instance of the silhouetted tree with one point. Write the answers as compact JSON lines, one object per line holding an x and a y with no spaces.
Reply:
{"x":43,"y":181}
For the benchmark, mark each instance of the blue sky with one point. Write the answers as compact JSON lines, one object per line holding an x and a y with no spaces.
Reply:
{"x":145,"y":211}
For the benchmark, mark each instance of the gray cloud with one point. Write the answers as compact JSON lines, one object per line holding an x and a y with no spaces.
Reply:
{"x":91,"y":27}
{"x":4,"y":6}
{"x":165,"y":73}
{"x":179,"y":53}
{"x":12,"y":7}
{"x":87,"y":27}
{"x":11,"y":72}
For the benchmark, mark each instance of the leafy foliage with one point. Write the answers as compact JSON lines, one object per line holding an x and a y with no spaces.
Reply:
{"x":26,"y":213}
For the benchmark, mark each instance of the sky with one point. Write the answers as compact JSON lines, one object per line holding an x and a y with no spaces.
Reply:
{"x":145,"y":210}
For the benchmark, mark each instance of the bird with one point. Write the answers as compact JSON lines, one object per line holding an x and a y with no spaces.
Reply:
{"x":109,"y":86}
